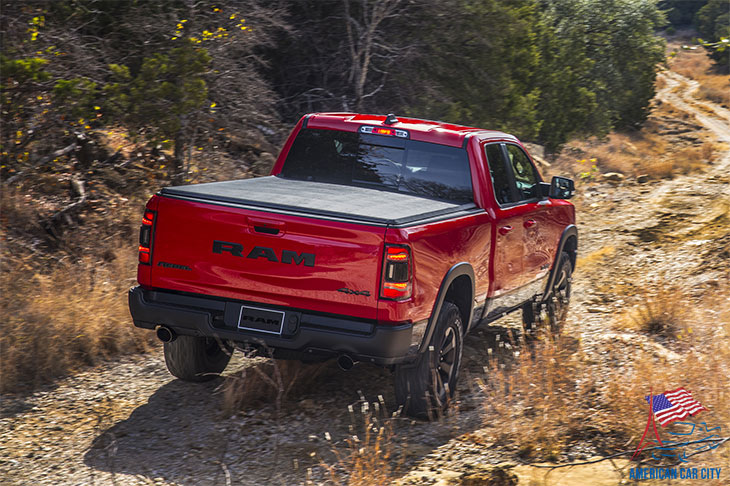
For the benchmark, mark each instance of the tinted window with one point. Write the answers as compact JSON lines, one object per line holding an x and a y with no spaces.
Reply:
{"x":383,"y":162}
{"x":500,"y":176}
{"x":526,"y":176}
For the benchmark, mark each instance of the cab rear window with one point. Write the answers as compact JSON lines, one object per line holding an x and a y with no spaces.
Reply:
{"x":382,"y":162}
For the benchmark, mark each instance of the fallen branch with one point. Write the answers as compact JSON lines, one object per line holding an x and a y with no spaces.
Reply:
{"x":58,"y":153}
{"x":78,"y":187}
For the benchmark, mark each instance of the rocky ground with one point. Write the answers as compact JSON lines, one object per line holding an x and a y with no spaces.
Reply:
{"x":129,"y":422}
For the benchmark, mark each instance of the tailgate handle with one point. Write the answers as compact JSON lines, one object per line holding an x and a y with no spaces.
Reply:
{"x":266,"y":229}
{"x":273,"y":228}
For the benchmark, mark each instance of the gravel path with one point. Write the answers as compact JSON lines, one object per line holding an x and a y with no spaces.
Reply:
{"x":128,"y":422}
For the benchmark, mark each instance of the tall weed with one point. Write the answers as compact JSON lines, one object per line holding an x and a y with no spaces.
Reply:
{"x":55,"y":322}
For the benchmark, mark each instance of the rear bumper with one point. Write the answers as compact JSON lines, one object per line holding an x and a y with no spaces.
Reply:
{"x":303,"y":333}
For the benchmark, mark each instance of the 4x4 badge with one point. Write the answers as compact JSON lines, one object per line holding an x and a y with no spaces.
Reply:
{"x":345,"y":290}
{"x":174,"y":265}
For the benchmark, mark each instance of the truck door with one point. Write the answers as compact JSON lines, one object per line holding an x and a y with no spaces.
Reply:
{"x":508,"y":233}
{"x":538,"y":238}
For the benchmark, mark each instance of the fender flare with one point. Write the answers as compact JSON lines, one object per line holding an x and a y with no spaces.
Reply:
{"x":458,"y":270}
{"x":570,"y":231}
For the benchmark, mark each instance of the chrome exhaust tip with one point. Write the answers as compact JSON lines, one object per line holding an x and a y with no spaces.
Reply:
{"x":345,"y":362}
{"x":165,"y":334}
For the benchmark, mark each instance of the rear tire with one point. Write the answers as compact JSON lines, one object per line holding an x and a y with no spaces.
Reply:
{"x":197,"y":359}
{"x":425,"y":387}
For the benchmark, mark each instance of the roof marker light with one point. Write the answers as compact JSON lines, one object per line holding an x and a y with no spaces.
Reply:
{"x":390,"y":132}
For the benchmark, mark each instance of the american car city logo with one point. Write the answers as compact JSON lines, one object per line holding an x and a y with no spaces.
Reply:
{"x":691,"y":439}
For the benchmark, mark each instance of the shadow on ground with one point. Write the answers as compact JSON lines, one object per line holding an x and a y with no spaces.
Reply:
{"x":181,"y":435}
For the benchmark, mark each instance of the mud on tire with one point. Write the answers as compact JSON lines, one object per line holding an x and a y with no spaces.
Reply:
{"x":196,"y":358}
{"x":425,"y":387}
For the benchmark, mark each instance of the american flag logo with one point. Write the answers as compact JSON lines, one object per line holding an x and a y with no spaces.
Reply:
{"x":667,"y":407}
{"x":673,"y":405}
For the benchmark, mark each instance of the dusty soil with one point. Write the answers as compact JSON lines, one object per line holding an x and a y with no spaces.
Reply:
{"x":129,"y":422}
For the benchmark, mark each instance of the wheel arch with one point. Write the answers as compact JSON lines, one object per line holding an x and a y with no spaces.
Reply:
{"x":457,"y":286}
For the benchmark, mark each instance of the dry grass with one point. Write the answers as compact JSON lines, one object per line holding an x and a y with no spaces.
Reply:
{"x":683,"y":162}
{"x":670,"y":142}
{"x":537,"y":401}
{"x":55,"y":322}
{"x":556,"y":396}
{"x":596,"y":258}
{"x":662,"y":312}
{"x":65,"y":281}
{"x":715,"y":89}
{"x":367,"y":457}
{"x":695,"y":64}
{"x":64,"y":277}
{"x":364,"y":458}
{"x":648,"y":151}
{"x":701,"y":366}
{"x":267,"y":380}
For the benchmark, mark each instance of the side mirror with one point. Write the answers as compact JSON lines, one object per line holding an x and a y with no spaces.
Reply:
{"x":561,"y":188}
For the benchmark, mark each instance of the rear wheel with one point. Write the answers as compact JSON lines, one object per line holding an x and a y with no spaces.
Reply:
{"x":425,"y":387}
{"x":197,"y":358}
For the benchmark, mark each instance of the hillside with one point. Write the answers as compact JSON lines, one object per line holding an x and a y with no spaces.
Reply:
{"x":649,"y":311}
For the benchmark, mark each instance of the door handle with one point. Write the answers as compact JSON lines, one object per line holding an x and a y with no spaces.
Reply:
{"x":504,"y":230}
{"x":530,"y":223}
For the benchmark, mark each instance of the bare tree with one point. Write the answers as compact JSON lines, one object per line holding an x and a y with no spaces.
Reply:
{"x":365,"y":40}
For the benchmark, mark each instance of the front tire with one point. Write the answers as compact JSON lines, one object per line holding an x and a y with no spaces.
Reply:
{"x":197,"y":359}
{"x":425,"y":387}
{"x":552,"y":311}
{"x":556,"y":305}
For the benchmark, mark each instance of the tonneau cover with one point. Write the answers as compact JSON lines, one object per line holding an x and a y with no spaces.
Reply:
{"x":321,"y":199}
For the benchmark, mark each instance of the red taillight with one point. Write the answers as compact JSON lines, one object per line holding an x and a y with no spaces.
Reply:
{"x":144,"y":255}
{"x":397,"y":275}
{"x":392,"y":290}
{"x":396,"y":254}
{"x":145,"y":237}
{"x":148,"y":217}
{"x":383,"y":131}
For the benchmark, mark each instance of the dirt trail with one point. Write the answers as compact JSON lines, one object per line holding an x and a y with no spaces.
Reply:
{"x":130,"y":423}
{"x":680,"y":91}
{"x":652,"y":233}
{"x":632,"y":236}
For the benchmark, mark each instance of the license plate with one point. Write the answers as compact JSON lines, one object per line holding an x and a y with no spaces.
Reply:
{"x":262,"y":320}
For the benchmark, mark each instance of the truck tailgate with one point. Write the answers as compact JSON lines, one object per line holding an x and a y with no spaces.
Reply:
{"x":271,"y":258}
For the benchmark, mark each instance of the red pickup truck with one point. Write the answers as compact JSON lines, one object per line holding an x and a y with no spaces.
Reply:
{"x":375,"y":239}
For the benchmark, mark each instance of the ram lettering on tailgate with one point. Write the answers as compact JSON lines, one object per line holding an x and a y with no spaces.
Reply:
{"x":287,"y":256}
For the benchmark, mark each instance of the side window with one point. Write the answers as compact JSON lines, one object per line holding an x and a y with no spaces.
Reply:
{"x":500,"y":177}
{"x":526,"y":176}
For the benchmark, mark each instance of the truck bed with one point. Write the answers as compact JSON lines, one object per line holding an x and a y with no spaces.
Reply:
{"x":360,"y":204}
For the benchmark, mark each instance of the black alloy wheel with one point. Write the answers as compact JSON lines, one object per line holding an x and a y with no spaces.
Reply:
{"x":425,"y":387}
